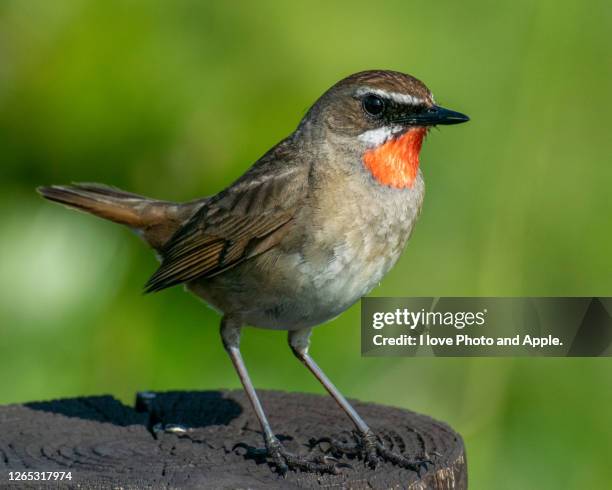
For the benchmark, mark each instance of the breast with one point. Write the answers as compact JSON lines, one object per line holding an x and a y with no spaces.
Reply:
{"x":344,"y":248}
{"x":358,"y":241}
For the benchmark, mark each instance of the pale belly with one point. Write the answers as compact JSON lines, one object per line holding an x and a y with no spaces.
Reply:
{"x":302,"y":295}
{"x":320,"y":273}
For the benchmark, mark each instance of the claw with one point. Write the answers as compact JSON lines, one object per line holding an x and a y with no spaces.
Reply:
{"x":371,"y":449}
{"x":400,"y":460}
{"x":368,"y":447}
{"x":281,"y":460}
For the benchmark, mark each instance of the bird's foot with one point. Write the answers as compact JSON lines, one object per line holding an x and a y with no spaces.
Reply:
{"x":370,"y":448}
{"x":283,"y":461}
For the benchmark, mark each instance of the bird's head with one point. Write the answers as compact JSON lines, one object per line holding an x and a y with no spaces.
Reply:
{"x":384,"y":116}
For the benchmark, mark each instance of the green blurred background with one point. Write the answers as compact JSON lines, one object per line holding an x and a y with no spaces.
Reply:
{"x":176,"y":99}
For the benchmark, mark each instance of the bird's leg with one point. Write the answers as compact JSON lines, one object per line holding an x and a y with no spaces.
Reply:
{"x":281,"y":459}
{"x":369,"y":445}
{"x":299,"y":341}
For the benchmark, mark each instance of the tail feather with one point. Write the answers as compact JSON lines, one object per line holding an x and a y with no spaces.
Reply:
{"x":104,"y":201}
{"x":156,"y":220}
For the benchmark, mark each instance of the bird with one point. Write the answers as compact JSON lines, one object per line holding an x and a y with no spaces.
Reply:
{"x":310,"y":228}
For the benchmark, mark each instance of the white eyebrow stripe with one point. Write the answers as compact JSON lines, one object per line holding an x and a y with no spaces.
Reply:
{"x":396,"y":96}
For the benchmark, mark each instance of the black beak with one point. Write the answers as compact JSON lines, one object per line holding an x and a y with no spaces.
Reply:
{"x":432,"y":116}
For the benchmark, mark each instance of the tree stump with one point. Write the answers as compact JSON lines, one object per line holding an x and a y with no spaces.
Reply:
{"x":199,"y":440}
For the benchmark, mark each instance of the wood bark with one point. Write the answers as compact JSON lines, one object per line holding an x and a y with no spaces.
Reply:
{"x":200,"y":440}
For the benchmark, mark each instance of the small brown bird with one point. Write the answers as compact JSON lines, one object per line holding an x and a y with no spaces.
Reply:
{"x":309,"y":229}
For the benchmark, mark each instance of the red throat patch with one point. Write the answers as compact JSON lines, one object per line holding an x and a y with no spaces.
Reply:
{"x":396,"y":162}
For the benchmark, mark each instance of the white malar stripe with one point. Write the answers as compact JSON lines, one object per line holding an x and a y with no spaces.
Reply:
{"x":376,"y":137}
{"x":396,"y":96}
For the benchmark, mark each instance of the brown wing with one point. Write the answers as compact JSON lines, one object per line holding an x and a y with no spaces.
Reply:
{"x":246,"y":219}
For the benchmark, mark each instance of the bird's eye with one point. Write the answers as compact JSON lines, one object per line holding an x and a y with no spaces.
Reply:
{"x":373,"y":105}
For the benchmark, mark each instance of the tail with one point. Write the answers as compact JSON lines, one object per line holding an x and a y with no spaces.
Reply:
{"x":157,"y":220}
{"x":104,"y":201}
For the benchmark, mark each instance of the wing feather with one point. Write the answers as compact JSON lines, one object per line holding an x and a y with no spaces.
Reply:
{"x":245,"y":220}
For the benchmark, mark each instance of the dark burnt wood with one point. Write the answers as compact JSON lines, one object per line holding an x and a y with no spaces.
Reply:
{"x":189,"y":440}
